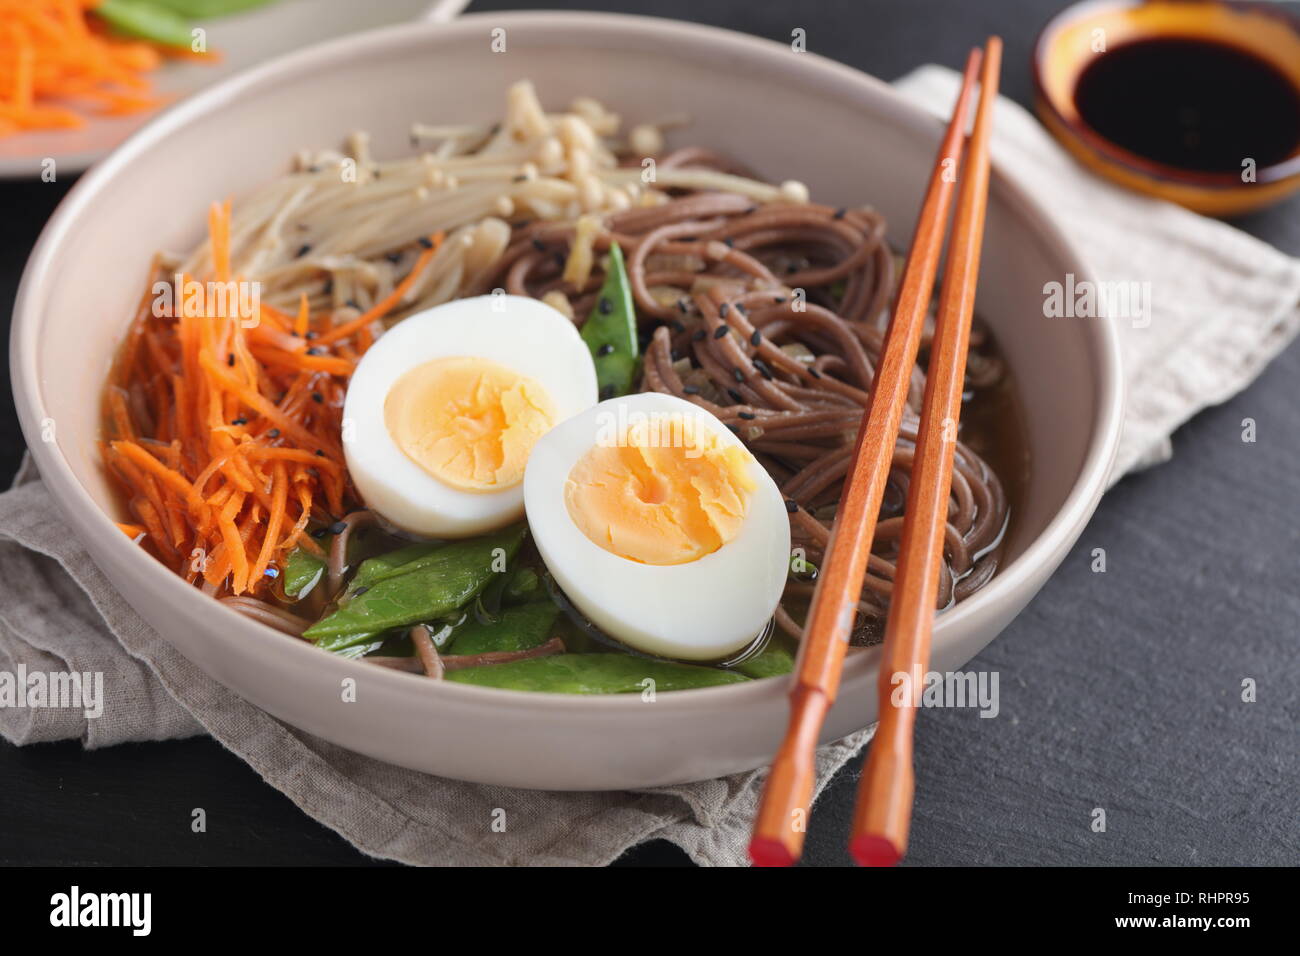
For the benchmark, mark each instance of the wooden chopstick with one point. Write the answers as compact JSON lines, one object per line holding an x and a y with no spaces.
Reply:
{"x":884,"y":808}
{"x":782,"y":815}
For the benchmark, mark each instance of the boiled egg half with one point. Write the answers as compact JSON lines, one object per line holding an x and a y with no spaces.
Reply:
{"x":660,"y":526}
{"x":444,"y":410}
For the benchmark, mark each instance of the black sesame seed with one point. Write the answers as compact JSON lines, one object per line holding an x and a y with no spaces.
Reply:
{"x":747,"y":416}
{"x":756,"y":338}
{"x":394,"y":257}
{"x":763,"y":369}
{"x":750,"y":211}
{"x":320,"y":453}
{"x":606,"y":392}
{"x":839,"y":213}
{"x":741,"y":309}
{"x":337,"y":527}
{"x":721,"y":331}
{"x":738,"y":375}
{"x":425,"y":242}
{"x":354,"y":304}
{"x":724,"y":309}
{"x":316,"y":350}
{"x":538,"y":244}
{"x":736,"y":396}
{"x":699,"y":335}
{"x":684,"y":307}
{"x":605,"y":349}
{"x":729,"y":242}
{"x":520,"y":178}
{"x":779,"y":300}
{"x":273,"y":433}
{"x":302,"y":250}
{"x":814,"y":373}
{"x":312,"y":335}
{"x":318,"y":398}
{"x":691,"y":389}
{"x":605,"y":306}
{"x":230,"y":358}
{"x":239,"y":421}
{"x":791,"y":505}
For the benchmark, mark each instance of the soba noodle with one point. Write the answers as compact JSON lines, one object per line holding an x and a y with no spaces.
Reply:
{"x":754,"y":303}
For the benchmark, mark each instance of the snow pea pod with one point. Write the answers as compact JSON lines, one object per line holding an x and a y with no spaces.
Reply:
{"x":203,"y":9}
{"x":593,"y":674}
{"x":524,"y":585}
{"x":146,"y":21}
{"x":445,"y":580}
{"x":302,"y":571}
{"x":610,"y":330}
{"x":518,"y":628}
{"x":373,"y":570}
{"x":772,"y":661}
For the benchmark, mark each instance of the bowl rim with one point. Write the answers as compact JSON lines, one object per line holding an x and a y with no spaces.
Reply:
{"x":89,"y":520}
{"x":1222,"y":182}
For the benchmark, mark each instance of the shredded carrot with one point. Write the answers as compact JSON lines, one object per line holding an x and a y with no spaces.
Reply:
{"x":226,"y":439}
{"x":54,"y":68}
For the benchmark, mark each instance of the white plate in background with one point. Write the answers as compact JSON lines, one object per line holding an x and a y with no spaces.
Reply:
{"x":244,"y":40}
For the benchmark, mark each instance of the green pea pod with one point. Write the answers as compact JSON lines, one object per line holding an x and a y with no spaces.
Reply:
{"x":353,"y":651}
{"x":139,"y":18}
{"x":518,"y":628}
{"x":610,"y":330}
{"x":593,"y":674}
{"x":346,"y":644}
{"x":576,"y":640}
{"x":773,"y":661}
{"x":524,"y":585}
{"x":302,"y":572}
{"x":446,"y":580}
{"x":208,"y":9}
{"x":373,"y":570}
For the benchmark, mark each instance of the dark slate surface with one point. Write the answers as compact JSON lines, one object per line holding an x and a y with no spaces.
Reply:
{"x":1119,"y":690}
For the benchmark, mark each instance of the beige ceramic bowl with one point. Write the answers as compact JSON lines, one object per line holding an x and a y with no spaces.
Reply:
{"x":792,"y":115}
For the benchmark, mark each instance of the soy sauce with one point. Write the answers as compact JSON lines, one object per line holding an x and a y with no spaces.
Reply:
{"x":1193,"y":104}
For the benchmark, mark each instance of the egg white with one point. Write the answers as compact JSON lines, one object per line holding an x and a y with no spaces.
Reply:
{"x":520,"y":333}
{"x":702,"y":610}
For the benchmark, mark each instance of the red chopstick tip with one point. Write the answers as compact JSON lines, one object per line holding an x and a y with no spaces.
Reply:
{"x":872,"y":850}
{"x":765,"y":851}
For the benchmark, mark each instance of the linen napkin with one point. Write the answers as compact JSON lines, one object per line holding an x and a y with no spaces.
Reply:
{"x":1223,"y":304}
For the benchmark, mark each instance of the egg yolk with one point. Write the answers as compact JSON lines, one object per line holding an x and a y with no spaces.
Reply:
{"x":467,"y":421}
{"x":657,"y":500}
